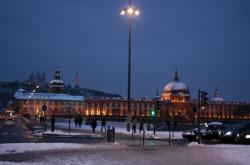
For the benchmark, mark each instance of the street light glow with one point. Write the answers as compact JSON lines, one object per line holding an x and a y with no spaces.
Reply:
{"x":130,"y":11}
{"x":137,"y":12}
{"x":122,"y":12}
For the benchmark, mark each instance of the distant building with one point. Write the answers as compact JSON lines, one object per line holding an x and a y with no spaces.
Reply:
{"x":60,"y":104}
{"x":175,"y":104}
{"x":57,"y":85}
{"x":176,"y":91}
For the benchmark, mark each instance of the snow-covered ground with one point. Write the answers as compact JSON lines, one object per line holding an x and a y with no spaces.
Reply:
{"x":11,"y":148}
{"x":61,"y":133}
{"x":116,"y":154}
{"x":120,"y":127}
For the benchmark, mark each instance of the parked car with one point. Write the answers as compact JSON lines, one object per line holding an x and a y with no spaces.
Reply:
{"x":10,"y":118}
{"x":244,"y":137}
{"x":192,"y":134}
{"x":214,"y":130}
{"x":236,"y":133}
{"x":208,"y":131}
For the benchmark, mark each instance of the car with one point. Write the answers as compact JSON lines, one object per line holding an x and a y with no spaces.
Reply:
{"x":192,"y":134}
{"x":244,"y":137}
{"x":208,"y":131}
{"x":214,"y":130}
{"x":236,"y":133}
{"x":10,"y":118}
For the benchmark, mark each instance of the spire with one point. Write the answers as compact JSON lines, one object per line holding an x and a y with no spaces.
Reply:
{"x":57,"y":74}
{"x":216,"y":93}
{"x":77,"y":80}
{"x":176,"y":76}
{"x":157,"y":95}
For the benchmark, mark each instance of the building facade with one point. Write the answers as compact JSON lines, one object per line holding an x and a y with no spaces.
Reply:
{"x":174,"y":104}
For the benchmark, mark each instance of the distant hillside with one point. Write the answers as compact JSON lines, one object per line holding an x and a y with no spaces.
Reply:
{"x":8,"y":88}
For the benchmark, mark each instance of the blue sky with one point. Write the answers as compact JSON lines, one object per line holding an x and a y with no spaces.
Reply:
{"x":208,"y":41}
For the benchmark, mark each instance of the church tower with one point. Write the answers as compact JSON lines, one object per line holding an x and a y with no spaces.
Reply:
{"x":77,"y":80}
{"x":57,"y":85}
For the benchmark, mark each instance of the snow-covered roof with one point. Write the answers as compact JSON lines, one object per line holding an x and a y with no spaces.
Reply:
{"x":47,"y":96}
{"x":215,"y":123}
{"x":21,"y":90}
{"x":217,"y":99}
{"x":56,"y":81}
{"x":175,"y":86}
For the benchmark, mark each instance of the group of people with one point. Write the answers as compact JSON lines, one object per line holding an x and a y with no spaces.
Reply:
{"x":93,"y":124}
{"x":78,"y":121}
{"x":134,"y":124}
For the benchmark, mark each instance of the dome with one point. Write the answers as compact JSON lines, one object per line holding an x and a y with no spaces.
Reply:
{"x":57,"y":85}
{"x":175,"y":86}
{"x":56,"y":82}
{"x":216,"y":97}
{"x":176,"y":90}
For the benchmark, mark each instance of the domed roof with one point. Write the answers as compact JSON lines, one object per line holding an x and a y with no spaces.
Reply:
{"x":57,"y":85}
{"x":176,"y":91}
{"x":175,"y":85}
{"x":217,"y":99}
{"x":56,"y":82}
{"x":216,"y":96}
{"x":21,"y":90}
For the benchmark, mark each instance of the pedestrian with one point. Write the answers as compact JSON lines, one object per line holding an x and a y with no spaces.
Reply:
{"x":80,"y":121}
{"x":141,"y":127}
{"x":103,"y":124}
{"x":41,"y":119}
{"x":53,"y":120}
{"x":93,"y":124}
{"x":134,"y":125}
{"x":76,"y":121}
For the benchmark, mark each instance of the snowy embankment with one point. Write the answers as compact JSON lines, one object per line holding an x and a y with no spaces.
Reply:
{"x":11,"y":148}
{"x":59,"y":133}
{"x":120,"y":127}
{"x":232,"y":152}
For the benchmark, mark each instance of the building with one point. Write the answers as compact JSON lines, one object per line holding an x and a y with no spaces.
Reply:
{"x":59,"y":104}
{"x":175,"y":104}
{"x":57,"y":85}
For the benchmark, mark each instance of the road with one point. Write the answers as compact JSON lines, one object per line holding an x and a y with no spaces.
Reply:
{"x":15,"y":133}
{"x":22,"y":131}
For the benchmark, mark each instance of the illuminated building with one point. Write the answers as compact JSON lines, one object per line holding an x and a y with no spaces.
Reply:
{"x":175,"y":104}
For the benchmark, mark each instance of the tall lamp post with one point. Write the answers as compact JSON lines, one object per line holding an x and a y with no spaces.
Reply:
{"x":129,"y":11}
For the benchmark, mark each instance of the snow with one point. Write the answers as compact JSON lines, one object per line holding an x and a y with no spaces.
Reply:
{"x":172,"y":86}
{"x":232,"y":152}
{"x":46,"y":96}
{"x":8,"y":148}
{"x":11,"y":148}
{"x":120,"y":155}
{"x":60,"y":133}
{"x":120,"y":127}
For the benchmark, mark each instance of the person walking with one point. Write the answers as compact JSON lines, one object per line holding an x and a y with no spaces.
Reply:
{"x":80,"y":121}
{"x":141,"y":127}
{"x":76,"y":121}
{"x":53,"y":120}
{"x":93,"y":124}
{"x":103,"y":124}
{"x":134,"y":125}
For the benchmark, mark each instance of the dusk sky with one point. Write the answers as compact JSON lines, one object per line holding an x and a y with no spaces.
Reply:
{"x":208,"y":41}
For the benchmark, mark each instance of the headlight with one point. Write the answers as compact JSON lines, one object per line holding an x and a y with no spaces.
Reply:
{"x":247,"y":136}
{"x":228,"y":133}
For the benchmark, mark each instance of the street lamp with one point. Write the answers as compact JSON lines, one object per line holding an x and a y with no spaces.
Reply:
{"x":130,"y":12}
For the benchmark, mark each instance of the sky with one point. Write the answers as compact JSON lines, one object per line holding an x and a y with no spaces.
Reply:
{"x":208,"y":41}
